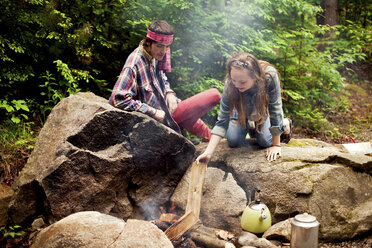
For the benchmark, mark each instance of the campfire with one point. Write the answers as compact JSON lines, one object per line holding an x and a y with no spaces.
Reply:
{"x":169,"y":217}
{"x":187,"y":230}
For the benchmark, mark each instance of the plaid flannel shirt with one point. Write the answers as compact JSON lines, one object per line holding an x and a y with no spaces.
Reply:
{"x":133,"y":90}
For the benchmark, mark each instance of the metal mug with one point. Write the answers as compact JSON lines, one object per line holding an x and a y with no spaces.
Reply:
{"x":304,"y":231}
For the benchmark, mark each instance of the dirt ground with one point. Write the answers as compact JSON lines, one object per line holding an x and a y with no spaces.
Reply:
{"x":355,"y":120}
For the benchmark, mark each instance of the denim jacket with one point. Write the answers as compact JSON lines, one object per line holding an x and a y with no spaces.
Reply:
{"x":275,"y":107}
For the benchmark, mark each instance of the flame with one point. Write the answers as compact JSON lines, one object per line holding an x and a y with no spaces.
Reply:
{"x":162,"y":211}
{"x":170,"y":215}
{"x":172,"y":207}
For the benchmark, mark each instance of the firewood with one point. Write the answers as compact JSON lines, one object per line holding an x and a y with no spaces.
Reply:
{"x":191,"y":217}
{"x":162,"y":225}
{"x":209,"y":237}
{"x":196,"y":184}
{"x":209,"y":241}
{"x":181,"y":226}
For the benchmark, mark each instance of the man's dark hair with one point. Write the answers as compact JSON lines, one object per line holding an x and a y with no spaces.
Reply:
{"x":161,"y":27}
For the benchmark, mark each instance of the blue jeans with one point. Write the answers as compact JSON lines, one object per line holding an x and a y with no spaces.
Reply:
{"x":236,"y":133}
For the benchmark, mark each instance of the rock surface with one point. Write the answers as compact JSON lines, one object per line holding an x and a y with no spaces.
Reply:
{"x":312,"y":176}
{"x":279,"y":231}
{"x":95,"y":230}
{"x":92,"y":156}
{"x":6,"y":194}
{"x":222,"y":196}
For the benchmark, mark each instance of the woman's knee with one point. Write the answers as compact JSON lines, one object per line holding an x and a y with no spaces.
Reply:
{"x":234,"y":139}
{"x":233,"y":142}
{"x":264,"y":141}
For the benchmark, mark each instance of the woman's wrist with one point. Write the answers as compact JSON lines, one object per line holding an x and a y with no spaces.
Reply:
{"x":276,"y":145}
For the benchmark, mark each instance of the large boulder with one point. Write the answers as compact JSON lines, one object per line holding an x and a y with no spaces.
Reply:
{"x":311,"y":176}
{"x":95,"y":230}
{"x":92,"y":156}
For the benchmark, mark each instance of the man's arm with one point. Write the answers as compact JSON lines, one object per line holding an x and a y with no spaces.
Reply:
{"x":125,"y":91}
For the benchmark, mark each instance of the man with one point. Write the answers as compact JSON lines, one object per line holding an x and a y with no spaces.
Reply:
{"x":142,"y":86}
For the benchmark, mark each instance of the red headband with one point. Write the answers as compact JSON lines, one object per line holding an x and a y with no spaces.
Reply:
{"x":161,"y":38}
{"x":164,"y":64}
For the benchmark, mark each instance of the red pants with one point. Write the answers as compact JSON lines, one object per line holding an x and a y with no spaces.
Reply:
{"x":189,"y":111}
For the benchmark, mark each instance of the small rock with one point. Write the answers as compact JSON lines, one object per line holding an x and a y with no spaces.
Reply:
{"x":229,"y":245}
{"x":279,"y":231}
{"x":245,"y":237}
{"x":37,"y":223}
{"x":261,"y":243}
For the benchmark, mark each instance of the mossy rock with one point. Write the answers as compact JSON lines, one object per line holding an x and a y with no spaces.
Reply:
{"x":308,"y":142}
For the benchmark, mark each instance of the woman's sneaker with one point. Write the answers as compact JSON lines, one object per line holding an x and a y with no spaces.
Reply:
{"x":287,"y":134}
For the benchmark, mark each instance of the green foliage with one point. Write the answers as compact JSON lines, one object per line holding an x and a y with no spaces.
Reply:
{"x":15,"y":109}
{"x":10,"y":231}
{"x":52,"y":49}
{"x":16,"y":142}
{"x":19,"y":136}
{"x":76,"y":44}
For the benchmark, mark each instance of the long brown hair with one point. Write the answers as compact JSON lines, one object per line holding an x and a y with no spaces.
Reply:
{"x":259,"y":90}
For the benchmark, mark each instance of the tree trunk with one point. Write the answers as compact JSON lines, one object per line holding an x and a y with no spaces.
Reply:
{"x":329,"y":16}
{"x":330,"y":12}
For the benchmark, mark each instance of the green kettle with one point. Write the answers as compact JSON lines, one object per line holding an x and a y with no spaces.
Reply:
{"x":256,"y":216}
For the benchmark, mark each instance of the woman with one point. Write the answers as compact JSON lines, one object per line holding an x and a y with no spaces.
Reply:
{"x":251,"y":102}
{"x":142,"y":86}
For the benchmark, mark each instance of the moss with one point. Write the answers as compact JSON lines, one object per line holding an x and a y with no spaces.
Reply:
{"x":349,"y":217}
{"x":306,"y":166}
{"x":357,"y":89}
{"x":295,"y":142}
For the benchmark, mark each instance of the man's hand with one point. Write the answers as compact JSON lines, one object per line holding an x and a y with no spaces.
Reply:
{"x":159,"y":115}
{"x":273,"y":153}
{"x":171,"y":101}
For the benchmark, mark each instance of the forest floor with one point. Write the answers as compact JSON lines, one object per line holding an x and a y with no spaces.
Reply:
{"x":355,"y":121}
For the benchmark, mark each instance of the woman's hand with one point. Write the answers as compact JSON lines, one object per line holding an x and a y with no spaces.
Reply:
{"x":171,"y":101}
{"x":159,"y":115}
{"x":205,"y":157}
{"x":273,"y":153}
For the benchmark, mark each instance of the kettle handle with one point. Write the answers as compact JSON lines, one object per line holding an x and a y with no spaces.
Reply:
{"x":263,"y":214}
{"x":253,"y":193}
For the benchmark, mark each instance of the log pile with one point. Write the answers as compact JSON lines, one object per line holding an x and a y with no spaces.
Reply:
{"x":200,"y":236}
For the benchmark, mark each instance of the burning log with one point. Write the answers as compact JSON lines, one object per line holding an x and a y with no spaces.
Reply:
{"x":171,"y":218}
{"x":162,"y":225}
{"x":181,"y":226}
